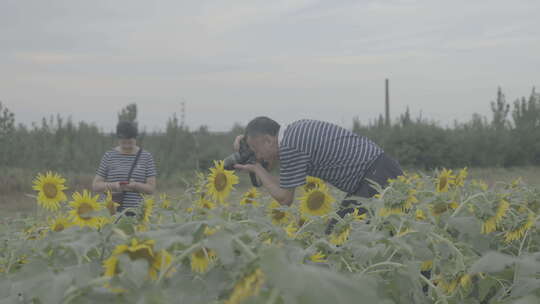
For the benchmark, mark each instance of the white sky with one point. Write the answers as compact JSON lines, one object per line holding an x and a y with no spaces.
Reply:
{"x":234,"y":60}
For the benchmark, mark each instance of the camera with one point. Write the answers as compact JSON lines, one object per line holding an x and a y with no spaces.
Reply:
{"x":244,"y":156}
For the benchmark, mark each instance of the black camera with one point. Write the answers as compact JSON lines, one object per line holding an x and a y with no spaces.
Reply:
{"x":244,"y":156}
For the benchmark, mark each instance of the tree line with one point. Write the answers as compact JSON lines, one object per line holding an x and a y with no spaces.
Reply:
{"x":510,"y":137}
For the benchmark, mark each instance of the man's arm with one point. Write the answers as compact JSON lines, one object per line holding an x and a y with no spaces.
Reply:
{"x":282,"y":196}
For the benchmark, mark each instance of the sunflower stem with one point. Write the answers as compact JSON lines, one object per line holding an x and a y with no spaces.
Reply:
{"x":458,"y":209}
{"x":178,"y":259}
{"x":437,"y":291}
{"x":245,"y":248}
{"x":382,"y":264}
{"x":346,"y":264}
{"x":274,"y":294}
{"x":460,"y":255}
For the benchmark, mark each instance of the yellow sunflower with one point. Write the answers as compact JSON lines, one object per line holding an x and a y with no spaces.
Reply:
{"x":249,"y":197}
{"x":492,"y":222}
{"x":316,"y":202}
{"x":83,"y":206}
{"x":461,"y":177}
{"x":519,"y":232}
{"x":139,"y":250}
{"x":480,"y":184}
{"x":385,"y":211}
{"x":439,"y":208}
{"x":147,"y":208}
{"x":420,"y":215}
{"x":165,"y":202}
{"x":60,"y":223}
{"x":220,"y":182}
{"x":444,"y":180}
{"x":247,"y":287}
{"x":203,"y":203}
{"x":110,"y":204}
{"x":341,"y":237}
{"x":426,"y":265}
{"x":318,"y":257}
{"x":201,"y":259}
{"x":279,"y":217}
{"x":313,"y":183}
{"x":51,"y":190}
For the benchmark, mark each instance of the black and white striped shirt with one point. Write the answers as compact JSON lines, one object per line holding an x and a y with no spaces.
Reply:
{"x":115,"y":166}
{"x":325,"y":150}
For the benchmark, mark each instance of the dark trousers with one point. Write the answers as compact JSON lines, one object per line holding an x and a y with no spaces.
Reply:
{"x":382,"y":169}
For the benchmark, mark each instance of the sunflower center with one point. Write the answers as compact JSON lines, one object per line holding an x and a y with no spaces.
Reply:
{"x":315,"y":200}
{"x":220,"y":182}
{"x":200,"y":254}
{"x":143,"y":253}
{"x":58,"y":227}
{"x":50,"y":190}
{"x":440,"y":208}
{"x":277,"y":214}
{"x":310,"y":186}
{"x":442,"y":182}
{"x":83,"y":211}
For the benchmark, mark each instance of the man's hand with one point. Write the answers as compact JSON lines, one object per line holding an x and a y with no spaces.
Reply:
{"x":236,"y":144}
{"x":247,"y":167}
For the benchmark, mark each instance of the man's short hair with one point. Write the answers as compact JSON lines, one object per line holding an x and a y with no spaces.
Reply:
{"x":262,"y":125}
{"x":126,"y":130}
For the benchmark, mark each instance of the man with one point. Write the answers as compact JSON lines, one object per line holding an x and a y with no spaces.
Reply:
{"x":316,"y":148}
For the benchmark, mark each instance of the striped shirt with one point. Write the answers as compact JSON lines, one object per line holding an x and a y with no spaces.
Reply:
{"x":324,"y":150}
{"x":115,"y":166}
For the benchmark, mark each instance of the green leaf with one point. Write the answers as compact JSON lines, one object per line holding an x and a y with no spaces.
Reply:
{"x":492,"y":262}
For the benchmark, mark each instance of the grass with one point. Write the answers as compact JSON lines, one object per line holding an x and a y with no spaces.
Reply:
{"x":16,"y":184}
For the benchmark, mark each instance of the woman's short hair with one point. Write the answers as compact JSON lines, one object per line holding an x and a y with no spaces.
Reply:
{"x":262,"y":125}
{"x":126,"y":130}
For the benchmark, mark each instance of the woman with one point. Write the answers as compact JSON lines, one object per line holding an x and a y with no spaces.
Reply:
{"x":116,"y":164}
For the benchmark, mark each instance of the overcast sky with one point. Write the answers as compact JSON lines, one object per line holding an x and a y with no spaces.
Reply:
{"x":233,"y":60}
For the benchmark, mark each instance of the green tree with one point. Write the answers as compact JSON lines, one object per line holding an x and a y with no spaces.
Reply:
{"x":129,"y":113}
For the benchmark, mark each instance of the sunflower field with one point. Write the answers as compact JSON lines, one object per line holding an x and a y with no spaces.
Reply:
{"x":423,"y":239}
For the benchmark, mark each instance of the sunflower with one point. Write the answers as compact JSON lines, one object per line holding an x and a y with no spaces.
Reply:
{"x":461,"y":177}
{"x":247,"y":287}
{"x":51,"y":190}
{"x":249,"y":197}
{"x":384,"y":211}
{"x":519,"y":232}
{"x":480,"y":184}
{"x":165,"y":202}
{"x":291,"y":230}
{"x":341,"y":237}
{"x":491,"y":223}
{"x":316,"y":202}
{"x":83,"y":206}
{"x":110,"y":204}
{"x":318,"y":257}
{"x":278,"y":216}
{"x":359,"y":216}
{"x":147,"y":208}
{"x":60,"y":223}
{"x":139,"y":250}
{"x":426,"y":265}
{"x":439,"y":208}
{"x":313,"y":183}
{"x":420,"y":215}
{"x":449,"y":286}
{"x":201,"y":259}
{"x":444,"y":180}
{"x":203,"y":203}
{"x":220,"y":182}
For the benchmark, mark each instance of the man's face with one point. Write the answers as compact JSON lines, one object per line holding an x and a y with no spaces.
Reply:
{"x":264,"y":146}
